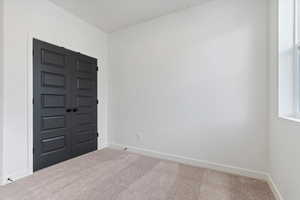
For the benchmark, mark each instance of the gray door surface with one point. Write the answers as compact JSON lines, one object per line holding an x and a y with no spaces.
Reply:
{"x":65,"y":104}
{"x":84,"y":103}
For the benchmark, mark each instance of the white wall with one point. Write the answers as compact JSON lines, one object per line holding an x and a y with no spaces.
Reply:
{"x":284,"y":134}
{"x":43,"y":20}
{"x":1,"y":85}
{"x":194,"y":84}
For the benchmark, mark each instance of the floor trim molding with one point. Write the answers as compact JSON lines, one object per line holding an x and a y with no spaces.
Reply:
{"x":22,"y":174}
{"x":15,"y":176}
{"x":274,"y":188}
{"x":194,"y":162}
{"x":181,"y":159}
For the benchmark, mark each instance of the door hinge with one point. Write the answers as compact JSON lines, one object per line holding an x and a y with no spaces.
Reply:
{"x":32,"y":101}
{"x":97,"y":68}
{"x":33,"y":52}
{"x":33,"y":150}
{"x":97,"y":134}
{"x":97,"y":101}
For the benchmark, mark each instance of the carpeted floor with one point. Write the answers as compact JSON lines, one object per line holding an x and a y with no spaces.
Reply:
{"x":118,"y":175}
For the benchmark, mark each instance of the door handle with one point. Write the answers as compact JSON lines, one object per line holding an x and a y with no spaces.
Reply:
{"x":75,"y":109}
{"x":68,"y":110}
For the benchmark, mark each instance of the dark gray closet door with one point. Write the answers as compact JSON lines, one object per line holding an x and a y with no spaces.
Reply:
{"x":52,"y":95}
{"x":65,"y":104}
{"x":84,"y":101}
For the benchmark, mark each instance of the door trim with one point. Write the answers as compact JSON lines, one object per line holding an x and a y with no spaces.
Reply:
{"x":29,"y":103}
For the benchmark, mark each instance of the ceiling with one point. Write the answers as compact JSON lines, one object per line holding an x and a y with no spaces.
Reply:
{"x":112,"y":15}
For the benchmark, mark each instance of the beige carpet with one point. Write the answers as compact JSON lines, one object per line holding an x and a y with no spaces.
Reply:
{"x":118,"y":175}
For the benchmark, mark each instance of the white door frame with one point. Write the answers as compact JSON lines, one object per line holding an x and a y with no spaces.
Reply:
{"x":29,"y":98}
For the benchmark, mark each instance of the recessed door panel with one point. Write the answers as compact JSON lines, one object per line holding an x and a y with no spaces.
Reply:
{"x":84,"y":118}
{"x":84,"y":66}
{"x":54,"y":58}
{"x":85,"y":101}
{"x":53,"y":101}
{"x":53,"y":122}
{"x":52,"y":145}
{"x":85,"y":136}
{"x":85,"y":83}
{"x":53,"y":80}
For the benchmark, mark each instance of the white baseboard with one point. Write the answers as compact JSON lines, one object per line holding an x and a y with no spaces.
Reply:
{"x":22,"y":174}
{"x":274,"y":189}
{"x":15,"y":176}
{"x":199,"y":163}
{"x":102,"y":145}
{"x":180,"y":159}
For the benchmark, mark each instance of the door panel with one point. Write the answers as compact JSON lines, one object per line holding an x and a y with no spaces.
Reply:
{"x":53,"y":144}
{"x":65,"y":104}
{"x":53,"y":58}
{"x":52,"y":89}
{"x":53,"y":101}
{"x":53,"y":80}
{"x":84,"y":132}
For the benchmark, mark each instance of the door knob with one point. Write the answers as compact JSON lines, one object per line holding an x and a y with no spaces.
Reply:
{"x":68,"y":110}
{"x":75,"y":110}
